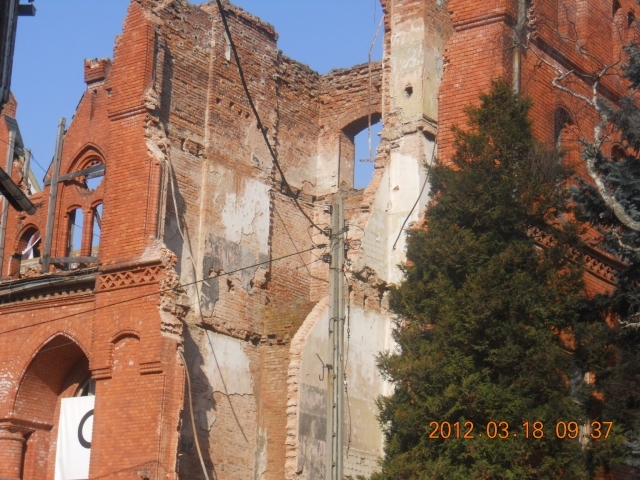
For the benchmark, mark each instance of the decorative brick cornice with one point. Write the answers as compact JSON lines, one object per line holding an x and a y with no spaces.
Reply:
{"x":129,"y":265}
{"x":101,"y":373}
{"x":148,"y":368}
{"x":23,"y":425}
{"x":483,"y":20}
{"x":40,"y":300}
{"x":128,"y":112}
{"x":129,"y":278}
{"x":593,"y":265}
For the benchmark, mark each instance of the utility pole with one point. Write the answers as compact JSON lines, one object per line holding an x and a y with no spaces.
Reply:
{"x":335,"y":378}
{"x":5,"y":202}
{"x":53,"y":197}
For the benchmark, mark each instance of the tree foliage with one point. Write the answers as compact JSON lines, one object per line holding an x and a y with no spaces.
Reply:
{"x":491,"y":327}
{"x":619,"y":380}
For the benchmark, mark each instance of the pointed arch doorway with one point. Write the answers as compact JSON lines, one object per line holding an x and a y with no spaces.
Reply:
{"x":59,"y":370}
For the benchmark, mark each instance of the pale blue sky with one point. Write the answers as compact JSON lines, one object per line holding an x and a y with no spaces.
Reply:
{"x":51,"y":47}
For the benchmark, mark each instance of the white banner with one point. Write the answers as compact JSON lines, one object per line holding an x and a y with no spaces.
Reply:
{"x":74,"y":438}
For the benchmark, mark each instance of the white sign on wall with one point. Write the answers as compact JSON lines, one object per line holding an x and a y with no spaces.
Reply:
{"x":74,"y":438}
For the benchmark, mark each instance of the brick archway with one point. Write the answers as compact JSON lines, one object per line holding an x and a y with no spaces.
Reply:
{"x":56,"y":371}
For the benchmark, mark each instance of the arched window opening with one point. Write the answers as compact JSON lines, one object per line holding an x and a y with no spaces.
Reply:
{"x":617,"y":153}
{"x":31,"y":250}
{"x":96,"y":230}
{"x":365,"y":162}
{"x":566,"y":140}
{"x":93,"y":179}
{"x":631,"y":20}
{"x":561,"y":121}
{"x":76,"y":227}
{"x":26,"y":259}
{"x":93,"y":182}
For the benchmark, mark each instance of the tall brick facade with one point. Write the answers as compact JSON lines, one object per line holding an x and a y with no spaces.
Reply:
{"x":204,"y":255}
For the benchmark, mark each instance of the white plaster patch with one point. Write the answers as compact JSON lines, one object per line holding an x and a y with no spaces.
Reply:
{"x":247,"y":213}
{"x":226,"y":365}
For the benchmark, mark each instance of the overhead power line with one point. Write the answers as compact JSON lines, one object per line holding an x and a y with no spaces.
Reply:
{"x":217,"y":275}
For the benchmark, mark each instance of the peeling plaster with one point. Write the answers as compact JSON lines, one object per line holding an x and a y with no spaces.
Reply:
{"x":226,"y":365}
{"x":247,"y":214}
{"x":261,"y":454}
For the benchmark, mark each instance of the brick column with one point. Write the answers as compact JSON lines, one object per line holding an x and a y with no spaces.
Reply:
{"x":87,"y":234}
{"x":11,"y":451}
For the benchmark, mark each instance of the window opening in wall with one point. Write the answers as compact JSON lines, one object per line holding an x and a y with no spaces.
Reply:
{"x":27,"y":258}
{"x":96,"y":230}
{"x":631,"y":19}
{"x":561,"y":121}
{"x":617,"y":152}
{"x":363,"y":168}
{"x":32,"y":249}
{"x":76,"y":226}
{"x":92,"y":182}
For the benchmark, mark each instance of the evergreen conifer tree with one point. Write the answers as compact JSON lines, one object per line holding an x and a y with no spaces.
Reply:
{"x":488,"y":324}
{"x":618,"y":377}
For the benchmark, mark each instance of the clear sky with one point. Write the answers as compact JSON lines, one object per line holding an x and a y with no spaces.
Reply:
{"x":51,"y":48}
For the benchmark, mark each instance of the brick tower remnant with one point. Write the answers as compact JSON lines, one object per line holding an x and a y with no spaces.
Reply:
{"x":188,"y":225}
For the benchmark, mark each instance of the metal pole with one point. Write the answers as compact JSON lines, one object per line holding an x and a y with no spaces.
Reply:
{"x":517,"y":40}
{"x":27,"y":168}
{"x":5,"y":202}
{"x":335,"y":379}
{"x":53,"y":195}
{"x":9,"y":39}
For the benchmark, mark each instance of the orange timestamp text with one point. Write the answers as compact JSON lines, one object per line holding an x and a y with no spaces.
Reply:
{"x":536,"y":430}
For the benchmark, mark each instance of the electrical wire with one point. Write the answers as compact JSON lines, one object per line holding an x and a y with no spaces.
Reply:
{"x":375,"y":37}
{"x":358,"y":241}
{"x":426,"y":180}
{"x":193,"y":422}
{"x":181,"y":285}
{"x":262,"y":128}
{"x":32,"y":158}
{"x":346,"y":361}
{"x":311,"y":204}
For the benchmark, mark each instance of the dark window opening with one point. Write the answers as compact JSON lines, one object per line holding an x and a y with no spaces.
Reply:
{"x":631,"y":19}
{"x":561,"y":121}
{"x":32,"y":247}
{"x":617,"y":153}
{"x":26,"y":259}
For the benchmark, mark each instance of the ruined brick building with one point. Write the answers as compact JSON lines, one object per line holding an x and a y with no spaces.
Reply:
{"x":190,"y":197}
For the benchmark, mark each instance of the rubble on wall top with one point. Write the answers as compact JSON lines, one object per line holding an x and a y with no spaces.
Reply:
{"x":96,"y":70}
{"x":377,"y":64}
{"x":242,"y":14}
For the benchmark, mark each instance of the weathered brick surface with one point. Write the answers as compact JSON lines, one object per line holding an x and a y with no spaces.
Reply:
{"x":191,"y":192}
{"x":479,"y":51}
